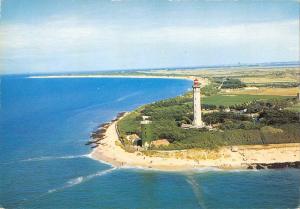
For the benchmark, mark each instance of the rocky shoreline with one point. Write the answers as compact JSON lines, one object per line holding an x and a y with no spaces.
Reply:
{"x":259,"y":166}
{"x":100,"y":133}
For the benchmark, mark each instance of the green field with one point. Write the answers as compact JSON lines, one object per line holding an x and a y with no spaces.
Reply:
{"x":227,"y":100}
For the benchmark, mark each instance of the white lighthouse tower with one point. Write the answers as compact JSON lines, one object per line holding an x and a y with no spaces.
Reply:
{"x":197,"y":122}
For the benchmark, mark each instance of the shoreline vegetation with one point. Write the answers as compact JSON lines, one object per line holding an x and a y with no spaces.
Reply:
{"x":252,"y":119}
{"x":227,"y":158}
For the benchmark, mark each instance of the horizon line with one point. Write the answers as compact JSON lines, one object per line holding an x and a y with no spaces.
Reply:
{"x":236,"y":65}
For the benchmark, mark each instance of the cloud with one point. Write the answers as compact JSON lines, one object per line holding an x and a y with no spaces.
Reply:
{"x":260,"y":32}
{"x":69,"y":38}
{"x":62,"y":35}
{"x":46,"y":36}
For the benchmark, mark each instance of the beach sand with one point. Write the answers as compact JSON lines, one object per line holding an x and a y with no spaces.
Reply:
{"x":237,"y":157}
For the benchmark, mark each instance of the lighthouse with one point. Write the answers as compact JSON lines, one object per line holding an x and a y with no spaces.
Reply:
{"x":197,"y":122}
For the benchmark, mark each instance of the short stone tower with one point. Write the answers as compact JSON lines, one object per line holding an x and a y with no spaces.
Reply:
{"x":197,"y":122}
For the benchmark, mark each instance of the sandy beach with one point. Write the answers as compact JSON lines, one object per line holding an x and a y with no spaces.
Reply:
{"x":238,"y":157}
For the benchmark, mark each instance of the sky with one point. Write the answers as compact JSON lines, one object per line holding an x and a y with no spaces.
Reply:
{"x":41,"y":36}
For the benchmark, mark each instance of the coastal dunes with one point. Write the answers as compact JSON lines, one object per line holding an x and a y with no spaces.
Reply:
{"x":237,"y":157}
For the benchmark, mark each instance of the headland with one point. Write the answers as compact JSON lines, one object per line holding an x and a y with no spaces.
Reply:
{"x":251,"y":117}
{"x":227,"y":158}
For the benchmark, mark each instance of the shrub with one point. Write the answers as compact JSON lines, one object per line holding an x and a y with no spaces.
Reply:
{"x":239,"y":137}
{"x":288,"y":133}
{"x":129,"y":124}
{"x":233,"y":83}
{"x":210,"y":89}
{"x":272,"y":117}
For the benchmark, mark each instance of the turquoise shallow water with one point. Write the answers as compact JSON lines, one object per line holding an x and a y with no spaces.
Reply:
{"x":44,"y":163}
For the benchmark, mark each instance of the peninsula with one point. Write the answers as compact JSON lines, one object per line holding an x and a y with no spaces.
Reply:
{"x":246,"y":125}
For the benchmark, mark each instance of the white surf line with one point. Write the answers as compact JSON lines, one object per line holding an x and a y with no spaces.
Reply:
{"x":197,"y":191}
{"x":208,"y":169}
{"x":70,"y":183}
{"x":42,"y":158}
{"x":101,"y":161}
{"x":81,"y":179}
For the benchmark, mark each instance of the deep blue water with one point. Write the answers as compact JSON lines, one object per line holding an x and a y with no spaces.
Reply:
{"x":44,"y":124}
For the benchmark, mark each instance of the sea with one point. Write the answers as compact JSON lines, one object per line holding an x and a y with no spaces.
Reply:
{"x":44,"y":162}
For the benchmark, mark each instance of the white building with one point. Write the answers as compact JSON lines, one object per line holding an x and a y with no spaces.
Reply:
{"x":197,"y":122}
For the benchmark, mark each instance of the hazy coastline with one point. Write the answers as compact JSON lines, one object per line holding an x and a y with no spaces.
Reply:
{"x":111,"y":76}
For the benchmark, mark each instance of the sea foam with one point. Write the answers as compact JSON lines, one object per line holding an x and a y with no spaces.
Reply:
{"x":81,"y":179}
{"x":42,"y":158}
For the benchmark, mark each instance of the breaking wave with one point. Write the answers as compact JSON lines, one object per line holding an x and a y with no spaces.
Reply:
{"x":81,"y":179}
{"x":44,"y":158}
{"x":54,"y":158}
{"x":207,"y":169}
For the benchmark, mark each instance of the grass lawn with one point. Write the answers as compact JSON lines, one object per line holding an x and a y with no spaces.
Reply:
{"x":228,"y":100}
